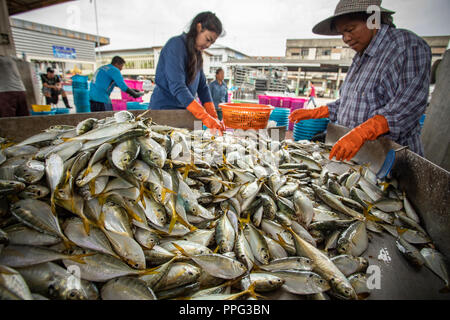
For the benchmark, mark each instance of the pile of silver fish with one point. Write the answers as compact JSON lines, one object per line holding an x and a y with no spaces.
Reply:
{"x":124,"y":208}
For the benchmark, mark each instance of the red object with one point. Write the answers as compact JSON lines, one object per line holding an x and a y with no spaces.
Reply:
{"x":306,"y":114}
{"x":349,"y":145}
{"x":200,"y":113}
{"x":211,"y":109}
{"x":245,"y":115}
{"x":313,"y":91}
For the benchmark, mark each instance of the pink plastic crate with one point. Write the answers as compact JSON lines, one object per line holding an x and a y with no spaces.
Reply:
{"x":286,"y":102}
{"x":264,"y":100}
{"x":133,"y":84}
{"x":119,"y":105}
{"x":275,"y":101}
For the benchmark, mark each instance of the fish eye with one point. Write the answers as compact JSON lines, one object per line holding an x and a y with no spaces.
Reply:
{"x":136,"y":265}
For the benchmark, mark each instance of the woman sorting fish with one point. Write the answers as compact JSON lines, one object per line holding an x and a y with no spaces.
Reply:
{"x":180,"y":76}
{"x":387,"y":85}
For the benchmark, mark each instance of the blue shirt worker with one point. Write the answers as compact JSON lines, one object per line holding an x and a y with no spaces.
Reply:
{"x":386,"y":88}
{"x":105,"y":79}
{"x":179,"y":74}
{"x":219,"y":91}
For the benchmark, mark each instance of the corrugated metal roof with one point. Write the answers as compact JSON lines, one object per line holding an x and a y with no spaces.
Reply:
{"x":56,"y":31}
{"x":21,"y":6}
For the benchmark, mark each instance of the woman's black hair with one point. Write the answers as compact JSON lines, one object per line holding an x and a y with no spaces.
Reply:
{"x":386,"y":18}
{"x":209,"y":21}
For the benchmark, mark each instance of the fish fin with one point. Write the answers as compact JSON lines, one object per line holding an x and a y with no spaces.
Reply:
{"x":385,"y":185}
{"x":3,"y":270}
{"x":86,"y":225}
{"x":401,"y":231}
{"x":87,"y":171}
{"x":92,"y":187}
{"x":250,"y":290}
{"x":281,"y":241}
{"x":68,"y":175}
{"x":52,"y":203}
{"x":176,"y":217}
{"x":183,"y":252}
{"x":79,"y":257}
{"x":216,"y":249}
{"x":148,"y":271}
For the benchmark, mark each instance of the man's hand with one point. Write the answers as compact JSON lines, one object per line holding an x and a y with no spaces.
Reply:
{"x":349,"y":145}
{"x":134,"y":93}
{"x":306,"y":114}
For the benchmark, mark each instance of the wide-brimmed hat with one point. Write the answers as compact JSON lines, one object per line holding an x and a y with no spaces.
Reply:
{"x":345,"y":7}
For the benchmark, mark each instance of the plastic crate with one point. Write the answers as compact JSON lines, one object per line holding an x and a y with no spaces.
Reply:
{"x":137,"y":106}
{"x":41,"y":108}
{"x":119,"y":105}
{"x":245,"y":116}
{"x":43,"y":113}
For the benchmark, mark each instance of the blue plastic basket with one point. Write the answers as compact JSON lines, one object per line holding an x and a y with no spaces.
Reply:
{"x":137,"y":105}
{"x":43,"y":113}
{"x":61,"y":110}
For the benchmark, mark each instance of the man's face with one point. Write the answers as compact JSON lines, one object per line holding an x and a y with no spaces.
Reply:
{"x":205,"y":38}
{"x":119,"y":66}
{"x":50,"y":75}
{"x":220,"y":76}
{"x":355,"y":33}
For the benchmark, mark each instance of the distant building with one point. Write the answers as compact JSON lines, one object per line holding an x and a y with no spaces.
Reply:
{"x":139,"y":62}
{"x":220,"y":56}
{"x":142,"y":62}
{"x":66,"y":51}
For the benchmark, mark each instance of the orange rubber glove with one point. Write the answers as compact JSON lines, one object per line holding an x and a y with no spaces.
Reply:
{"x":211,"y":109}
{"x":306,"y":114}
{"x":200,"y":113}
{"x":349,"y":145}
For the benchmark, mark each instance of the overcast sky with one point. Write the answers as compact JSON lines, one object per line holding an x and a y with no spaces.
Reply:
{"x":255,"y":27}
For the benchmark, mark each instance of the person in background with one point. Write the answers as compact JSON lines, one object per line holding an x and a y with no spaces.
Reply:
{"x":179,"y":74}
{"x":13,"y":98}
{"x":312,"y":95}
{"x":105,"y":79}
{"x":219,"y":91}
{"x":52,"y":88}
{"x":386,"y":88}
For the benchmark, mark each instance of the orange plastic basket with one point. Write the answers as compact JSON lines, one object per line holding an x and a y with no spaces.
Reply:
{"x":245,"y":115}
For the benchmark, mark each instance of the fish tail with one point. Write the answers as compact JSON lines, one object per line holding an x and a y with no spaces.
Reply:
{"x":176,"y":217}
{"x":79,"y":258}
{"x":183,"y":252}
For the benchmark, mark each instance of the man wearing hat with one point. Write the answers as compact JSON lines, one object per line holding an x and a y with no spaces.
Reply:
{"x":386,"y":88}
{"x":52,"y":88}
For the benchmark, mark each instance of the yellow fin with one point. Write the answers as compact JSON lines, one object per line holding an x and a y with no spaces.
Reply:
{"x":183,"y":252}
{"x":216,"y":249}
{"x":401,"y":231}
{"x":79,"y":257}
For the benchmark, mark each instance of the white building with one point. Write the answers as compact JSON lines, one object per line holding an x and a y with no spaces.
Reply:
{"x":220,"y":56}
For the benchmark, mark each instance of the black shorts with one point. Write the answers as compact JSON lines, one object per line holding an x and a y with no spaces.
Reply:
{"x":100,"y":106}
